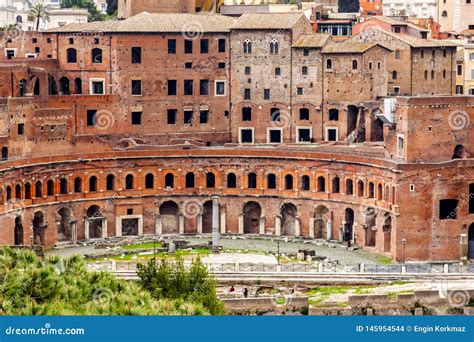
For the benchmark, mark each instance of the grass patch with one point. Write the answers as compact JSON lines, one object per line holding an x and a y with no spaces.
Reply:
{"x":384,"y":260}
{"x":147,"y":245}
{"x":161,"y":255}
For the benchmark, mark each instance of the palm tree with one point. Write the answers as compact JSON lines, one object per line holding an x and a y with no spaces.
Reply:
{"x":39,"y":12}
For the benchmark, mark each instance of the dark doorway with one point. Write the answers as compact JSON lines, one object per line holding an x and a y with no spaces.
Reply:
{"x":348,"y":226}
{"x":288,"y":219}
{"x":470,"y":242}
{"x":18,"y":231}
{"x":129,"y":227}
{"x":38,"y":228}
{"x":64,"y":227}
{"x":320,"y":222}
{"x":207,"y":217}
{"x":252,"y":214}
{"x":96,"y":222}
{"x":169,"y":217}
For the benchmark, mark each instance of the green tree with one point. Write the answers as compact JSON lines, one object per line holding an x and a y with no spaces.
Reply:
{"x":173,"y":281}
{"x":39,"y":12}
{"x":55,"y":286}
{"x":89,"y":5}
{"x":112,"y":7}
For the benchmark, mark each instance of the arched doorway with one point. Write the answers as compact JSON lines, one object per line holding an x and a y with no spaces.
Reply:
{"x":96,"y":222}
{"x":38,"y":228}
{"x":320,"y":222}
{"x":370,"y":217}
{"x":18,"y":231}
{"x":288,"y":219}
{"x":207,"y":217}
{"x":348,"y":225}
{"x":387,"y":231}
{"x":252,"y":214}
{"x":169,"y":218}
{"x":64,"y":226}
{"x":470,"y":242}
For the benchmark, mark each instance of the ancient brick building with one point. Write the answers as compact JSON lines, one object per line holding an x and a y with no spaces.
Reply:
{"x":130,"y":127}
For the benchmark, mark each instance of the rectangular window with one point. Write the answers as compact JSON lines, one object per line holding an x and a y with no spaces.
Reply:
{"x":459,"y":90}
{"x":247,"y":94}
{"x":21,"y":129}
{"x":221,"y":45}
{"x":247,"y":114}
{"x":274,"y":136}
{"x":91,"y":117}
{"x":136,"y":118}
{"x":136,"y":55}
{"x":246,"y":135}
{"x":459,"y":70}
{"x":448,"y":209}
{"x":204,"y":87}
{"x":136,"y":87}
{"x":331,"y":134}
{"x":172,"y":87}
{"x":471,"y":56}
{"x":204,"y":116}
{"x":220,"y":88}
{"x":188,"y":65}
{"x":304,"y":70}
{"x":221,"y":65}
{"x":188,"y":117}
{"x":188,"y":87}
{"x":188,"y":46}
{"x":277,"y":71}
{"x":171,"y":116}
{"x":400,"y":146}
{"x":306,"y":52}
{"x":247,"y":70}
{"x":171,"y":46}
{"x":304,"y":135}
{"x":266,"y":94}
{"x":472,"y":74}
{"x":204,"y":45}
{"x":299,"y":91}
{"x":97,"y":87}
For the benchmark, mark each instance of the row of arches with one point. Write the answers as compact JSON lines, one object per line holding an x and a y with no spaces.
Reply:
{"x":271,"y":181}
{"x":62,"y":86}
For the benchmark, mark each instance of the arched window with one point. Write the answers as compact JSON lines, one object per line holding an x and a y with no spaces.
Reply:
{"x":149,"y":181}
{"x":247,"y":46}
{"x":305,"y":183}
{"x":379,"y":192}
{"x":329,"y":64}
{"x":96,"y":55}
{"x":426,"y":74}
{"x":19,"y":19}
{"x":63,"y":186}
{"x":50,"y":188}
{"x":394,"y":75}
{"x":349,"y":187}
{"x":231,"y":180}
{"x":77,"y":86}
{"x":71,"y":55}
{"x":371,"y":190}
{"x":36,"y":88}
{"x":78,"y":185}
{"x":38,"y":189}
{"x":190,"y":180}
{"x":274,"y":114}
{"x":52,"y":86}
{"x":354,"y":65}
{"x":27,"y":191}
{"x":64,"y":85}
{"x":22,"y":87}
{"x":288,"y":182}
{"x":210,"y":180}
{"x":169,"y":180}
{"x":110,"y":182}
{"x":9,"y":193}
{"x":4,"y":153}
{"x":271,"y":181}
{"x":360,"y":188}
{"x":252,"y":181}
{"x":444,"y":14}
{"x":274,"y":46}
{"x":93,"y":184}
{"x":432,"y":74}
{"x":386,"y":194}
{"x":335,"y":185}
{"x":129,"y":180}
{"x":18,"y":192}
{"x":321,"y":184}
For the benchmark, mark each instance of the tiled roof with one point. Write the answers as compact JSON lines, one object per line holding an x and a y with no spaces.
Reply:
{"x":267,"y":21}
{"x":156,"y":22}
{"x":314,"y":40}
{"x":348,"y":47}
{"x":393,"y":21}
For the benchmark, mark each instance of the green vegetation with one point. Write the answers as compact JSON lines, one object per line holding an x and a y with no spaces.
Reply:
{"x":147,"y":245}
{"x":168,"y":280}
{"x":55,"y":286}
{"x":384,"y":260}
{"x":89,"y":5}
{"x":39,"y":12}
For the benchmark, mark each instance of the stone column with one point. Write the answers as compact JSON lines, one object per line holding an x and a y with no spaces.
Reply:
{"x":278,"y":225}
{"x":215,"y":221}
{"x":118,"y":227}
{"x":311,"y":227}
{"x":329,"y":230}
{"x":223,"y":222}
{"x":158,"y":225}
{"x":74,"y":231}
{"x":297,"y":226}
{"x":86,"y":229}
{"x":463,"y":246}
{"x":140,"y":226}
{"x":181,"y":223}
{"x":241,"y":223}
{"x":261,"y":225}
{"x":199,"y":223}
